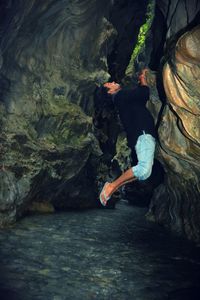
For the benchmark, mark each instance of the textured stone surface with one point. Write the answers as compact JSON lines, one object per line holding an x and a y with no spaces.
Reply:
{"x":171,"y":18}
{"x":179,"y":137}
{"x":126,"y":17}
{"x":52,"y":55}
{"x":114,"y":254}
{"x":178,"y":14}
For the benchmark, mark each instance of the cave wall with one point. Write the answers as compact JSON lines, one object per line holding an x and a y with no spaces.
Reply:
{"x":53,"y":53}
{"x":176,"y":203}
{"x":178,"y":14}
{"x":126,"y":16}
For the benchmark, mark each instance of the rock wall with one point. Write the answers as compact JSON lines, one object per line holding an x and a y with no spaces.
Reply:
{"x":52,"y":57}
{"x":171,"y":18}
{"x":177,"y":202}
{"x":126,"y":17}
{"x":178,"y":14}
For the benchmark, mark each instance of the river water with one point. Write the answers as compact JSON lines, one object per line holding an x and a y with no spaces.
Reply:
{"x":108,"y":254}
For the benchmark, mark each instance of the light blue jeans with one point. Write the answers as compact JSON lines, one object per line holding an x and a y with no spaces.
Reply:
{"x":145,"y":148}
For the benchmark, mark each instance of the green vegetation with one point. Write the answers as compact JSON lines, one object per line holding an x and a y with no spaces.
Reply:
{"x":141,"y":36}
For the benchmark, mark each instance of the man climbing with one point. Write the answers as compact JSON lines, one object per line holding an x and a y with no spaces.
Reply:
{"x":139,"y":126}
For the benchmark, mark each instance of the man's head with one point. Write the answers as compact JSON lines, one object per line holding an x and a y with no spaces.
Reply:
{"x":112,"y":87}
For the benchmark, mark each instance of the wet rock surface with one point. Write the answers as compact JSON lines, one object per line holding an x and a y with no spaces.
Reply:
{"x":179,"y":138}
{"x":96,"y":254}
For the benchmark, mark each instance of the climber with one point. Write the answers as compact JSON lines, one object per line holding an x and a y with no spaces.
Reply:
{"x":139,"y":126}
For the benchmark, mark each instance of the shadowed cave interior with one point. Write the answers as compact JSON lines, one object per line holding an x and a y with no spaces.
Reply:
{"x":59,"y":143}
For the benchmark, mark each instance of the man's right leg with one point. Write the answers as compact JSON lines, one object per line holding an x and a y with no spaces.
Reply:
{"x":145,"y":148}
{"x":111,"y":187}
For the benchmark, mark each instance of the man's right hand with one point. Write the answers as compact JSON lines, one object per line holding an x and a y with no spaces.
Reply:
{"x":142,"y":77}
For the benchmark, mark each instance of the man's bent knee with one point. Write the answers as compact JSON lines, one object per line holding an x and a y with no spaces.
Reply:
{"x":142,"y":170}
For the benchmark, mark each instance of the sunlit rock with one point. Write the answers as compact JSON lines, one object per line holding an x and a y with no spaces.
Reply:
{"x":177,"y":202}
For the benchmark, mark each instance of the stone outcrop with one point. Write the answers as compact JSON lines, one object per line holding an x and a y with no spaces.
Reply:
{"x":177,"y":202}
{"x":178,"y":14}
{"x":52,"y":57}
{"x":127,"y":17}
{"x":171,"y":18}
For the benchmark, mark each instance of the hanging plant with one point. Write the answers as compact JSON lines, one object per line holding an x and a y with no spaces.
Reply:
{"x":144,"y":29}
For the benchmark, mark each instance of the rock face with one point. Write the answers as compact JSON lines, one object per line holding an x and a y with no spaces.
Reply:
{"x":178,"y":14}
{"x":52,"y":54}
{"x":126,"y":17}
{"x":171,"y":18}
{"x":177,"y":201}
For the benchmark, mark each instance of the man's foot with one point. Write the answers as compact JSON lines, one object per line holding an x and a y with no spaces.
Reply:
{"x":105,"y":193}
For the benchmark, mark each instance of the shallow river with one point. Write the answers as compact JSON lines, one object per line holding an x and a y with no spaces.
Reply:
{"x":111,"y":254}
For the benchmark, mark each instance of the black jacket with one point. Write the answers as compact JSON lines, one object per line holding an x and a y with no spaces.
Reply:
{"x":134,"y":115}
